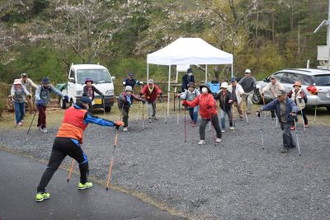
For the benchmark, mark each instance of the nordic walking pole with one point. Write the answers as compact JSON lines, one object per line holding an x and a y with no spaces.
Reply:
{"x":112,"y":160}
{"x":261,"y":130}
{"x":34,"y":115}
{"x":315,"y":114}
{"x":70,"y":171}
{"x":142,"y":116}
{"x":178,"y":113}
{"x":185,"y":124}
{"x":296,"y":132}
{"x":103,"y":106}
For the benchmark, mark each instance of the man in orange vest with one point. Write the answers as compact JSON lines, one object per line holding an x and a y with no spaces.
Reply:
{"x":68,"y":142}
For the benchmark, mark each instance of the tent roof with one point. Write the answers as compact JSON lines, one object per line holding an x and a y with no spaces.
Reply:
{"x":189,"y":51}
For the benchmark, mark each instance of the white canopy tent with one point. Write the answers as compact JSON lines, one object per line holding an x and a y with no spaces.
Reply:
{"x":188,"y":51}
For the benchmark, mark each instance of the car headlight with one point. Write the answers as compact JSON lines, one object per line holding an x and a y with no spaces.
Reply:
{"x":109,"y":92}
{"x":79,"y":93}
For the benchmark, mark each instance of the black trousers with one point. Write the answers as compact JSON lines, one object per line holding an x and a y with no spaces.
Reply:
{"x":215,"y":122}
{"x":61,"y":148}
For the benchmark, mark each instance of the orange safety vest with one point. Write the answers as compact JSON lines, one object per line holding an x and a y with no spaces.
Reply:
{"x":73,"y":125}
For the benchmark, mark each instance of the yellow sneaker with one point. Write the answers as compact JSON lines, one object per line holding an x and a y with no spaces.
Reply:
{"x":87,"y":185}
{"x":42,"y":196}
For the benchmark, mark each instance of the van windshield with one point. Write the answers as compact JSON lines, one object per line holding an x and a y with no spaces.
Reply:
{"x":322,"y":80}
{"x":97,"y":75}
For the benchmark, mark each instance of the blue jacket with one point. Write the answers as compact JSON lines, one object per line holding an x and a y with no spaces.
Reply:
{"x":275,"y":105}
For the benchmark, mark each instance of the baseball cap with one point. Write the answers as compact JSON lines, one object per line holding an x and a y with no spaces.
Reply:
{"x":23,"y":75}
{"x":233,"y":79}
{"x":45,"y":80}
{"x":150,"y":81}
{"x":128,"y":88}
{"x":281,"y":92}
{"x":85,"y":99}
{"x":247,"y":71}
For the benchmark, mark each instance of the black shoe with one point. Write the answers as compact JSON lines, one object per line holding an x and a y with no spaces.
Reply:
{"x":294,"y":146}
{"x":285,"y":150}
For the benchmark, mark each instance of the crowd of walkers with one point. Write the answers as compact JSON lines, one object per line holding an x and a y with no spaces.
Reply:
{"x":204,"y":104}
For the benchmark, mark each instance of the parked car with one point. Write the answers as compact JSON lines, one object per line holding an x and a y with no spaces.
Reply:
{"x":315,"y":83}
{"x":103,"y":81}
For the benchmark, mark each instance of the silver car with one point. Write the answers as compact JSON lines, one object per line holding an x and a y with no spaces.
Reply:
{"x":315,"y":81}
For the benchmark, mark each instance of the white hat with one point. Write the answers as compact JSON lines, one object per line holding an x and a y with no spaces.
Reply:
{"x":248,"y":71}
{"x":150,"y":81}
{"x":17,"y":82}
{"x":128,"y":88}
{"x":224,"y":85}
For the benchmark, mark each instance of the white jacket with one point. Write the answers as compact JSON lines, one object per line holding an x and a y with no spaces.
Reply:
{"x":239,"y":91}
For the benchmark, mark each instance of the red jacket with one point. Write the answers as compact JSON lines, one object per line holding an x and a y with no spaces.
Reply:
{"x":151,"y":96}
{"x":207,"y":105}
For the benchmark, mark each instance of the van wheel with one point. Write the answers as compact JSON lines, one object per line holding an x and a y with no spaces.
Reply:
{"x":107,"y":109}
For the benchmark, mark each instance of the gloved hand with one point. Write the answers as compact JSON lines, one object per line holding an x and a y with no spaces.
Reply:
{"x":40,"y":103}
{"x":258,"y":113}
{"x":141,"y":83}
{"x":184,"y":102}
{"x":65,"y":98}
{"x":118,"y":124}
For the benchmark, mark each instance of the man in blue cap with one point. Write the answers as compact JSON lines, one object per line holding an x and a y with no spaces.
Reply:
{"x":68,"y":142}
{"x":42,"y":97}
{"x":130,"y":81}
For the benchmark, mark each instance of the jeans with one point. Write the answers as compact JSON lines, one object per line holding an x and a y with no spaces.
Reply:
{"x":215,"y":123}
{"x":61,"y":148}
{"x":193,"y":112}
{"x":19,"y":111}
{"x":288,"y":141}
{"x":223,"y":114}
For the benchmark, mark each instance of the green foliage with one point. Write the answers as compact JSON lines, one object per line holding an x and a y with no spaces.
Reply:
{"x":5,"y":88}
{"x":38,"y":62}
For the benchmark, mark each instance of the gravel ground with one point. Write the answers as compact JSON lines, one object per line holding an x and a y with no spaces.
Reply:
{"x":237,"y":179}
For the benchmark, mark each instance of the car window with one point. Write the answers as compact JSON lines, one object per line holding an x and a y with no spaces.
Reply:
{"x":97,"y":75}
{"x":71,"y":74}
{"x":278,"y":75}
{"x":322,"y":80}
{"x":288,"y":78}
{"x":305,"y":80}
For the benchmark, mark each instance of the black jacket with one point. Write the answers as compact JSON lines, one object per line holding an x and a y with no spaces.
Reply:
{"x":224,"y":100}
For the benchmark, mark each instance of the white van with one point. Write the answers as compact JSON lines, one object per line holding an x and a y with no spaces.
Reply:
{"x":102,"y":80}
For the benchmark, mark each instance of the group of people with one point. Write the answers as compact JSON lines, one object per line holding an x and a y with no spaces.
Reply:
{"x":202,"y":102}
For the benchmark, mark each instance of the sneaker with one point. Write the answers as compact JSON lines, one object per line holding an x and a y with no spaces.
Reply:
{"x":293,"y":128}
{"x":150,"y":120}
{"x":193,"y":124}
{"x":201,"y":142}
{"x":223,"y":131}
{"x":285,"y":150}
{"x":218,"y":140}
{"x":42,"y":196}
{"x":156,"y":119}
{"x":231,"y":128}
{"x":305,"y":125}
{"x":87,"y":185}
{"x":44,"y":130}
{"x":125,"y":129}
{"x":20,"y":123}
